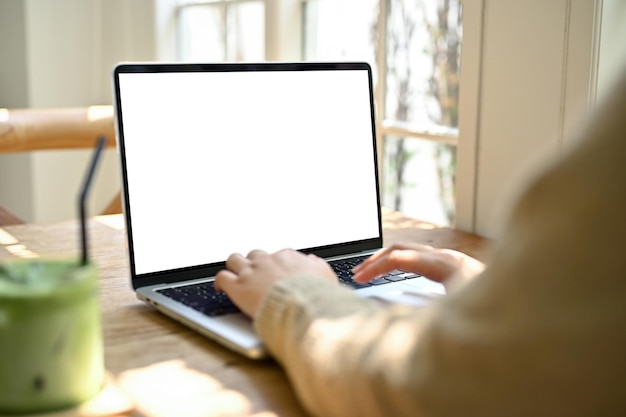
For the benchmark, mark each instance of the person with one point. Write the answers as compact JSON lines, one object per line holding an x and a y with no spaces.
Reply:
{"x":541,"y":331}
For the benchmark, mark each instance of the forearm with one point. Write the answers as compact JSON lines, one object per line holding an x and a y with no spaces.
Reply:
{"x":468,"y":353}
{"x":345,"y":355}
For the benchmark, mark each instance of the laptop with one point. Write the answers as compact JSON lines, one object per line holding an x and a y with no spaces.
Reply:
{"x":230,"y":157}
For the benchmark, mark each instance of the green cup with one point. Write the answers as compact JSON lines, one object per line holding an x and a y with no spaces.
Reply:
{"x":51,"y":351}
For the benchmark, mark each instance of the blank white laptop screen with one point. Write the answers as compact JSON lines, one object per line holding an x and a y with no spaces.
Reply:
{"x":223,"y":162}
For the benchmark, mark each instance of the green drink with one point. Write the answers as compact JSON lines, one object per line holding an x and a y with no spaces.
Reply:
{"x":51,"y":353}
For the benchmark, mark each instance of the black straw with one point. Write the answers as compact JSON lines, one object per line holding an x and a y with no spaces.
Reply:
{"x":83,"y":197}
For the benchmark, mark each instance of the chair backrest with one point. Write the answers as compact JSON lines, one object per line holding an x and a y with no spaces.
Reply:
{"x":25,"y":130}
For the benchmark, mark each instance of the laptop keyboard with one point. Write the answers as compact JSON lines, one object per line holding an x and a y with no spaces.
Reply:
{"x":343,"y":269}
{"x":204,"y":298}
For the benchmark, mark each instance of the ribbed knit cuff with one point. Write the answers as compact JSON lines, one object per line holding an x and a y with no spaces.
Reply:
{"x":293,"y":304}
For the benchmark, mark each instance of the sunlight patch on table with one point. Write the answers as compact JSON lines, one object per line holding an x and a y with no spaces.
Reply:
{"x":14,"y":247}
{"x":21,"y":251}
{"x":172,"y":389}
{"x":7,"y":238}
{"x":113,"y":221}
{"x":111,"y":401}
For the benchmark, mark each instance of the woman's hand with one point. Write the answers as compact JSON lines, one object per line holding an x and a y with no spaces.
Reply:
{"x":248,"y":279}
{"x":436,"y":264}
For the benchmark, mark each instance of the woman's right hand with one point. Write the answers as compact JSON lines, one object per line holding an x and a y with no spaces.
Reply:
{"x":435,"y":264}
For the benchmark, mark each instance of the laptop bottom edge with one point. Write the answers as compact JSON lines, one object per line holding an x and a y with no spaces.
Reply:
{"x":233,"y":331}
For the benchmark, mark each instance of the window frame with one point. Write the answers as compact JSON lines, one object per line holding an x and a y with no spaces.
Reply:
{"x":280,"y":12}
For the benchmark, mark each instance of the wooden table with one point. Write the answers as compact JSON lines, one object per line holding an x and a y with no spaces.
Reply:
{"x":158,"y":367}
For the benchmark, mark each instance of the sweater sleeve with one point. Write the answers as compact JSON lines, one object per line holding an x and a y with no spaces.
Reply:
{"x":539,"y":333}
{"x":344,"y":354}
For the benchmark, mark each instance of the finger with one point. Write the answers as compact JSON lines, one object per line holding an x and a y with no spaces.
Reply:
{"x":287,"y":252}
{"x":236,"y":262}
{"x":224,"y":280}
{"x":374,"y":258}
{"x":373,"y":270}
{"x":401,"y":246}
{"x":288,"y":256}
{"x":396,"y":259}
{"x":255,"y":254}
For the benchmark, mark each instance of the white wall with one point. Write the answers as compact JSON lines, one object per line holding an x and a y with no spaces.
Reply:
{"x":15,"y":170}
{"x":62,"y":49}
{"x":68,"y":49}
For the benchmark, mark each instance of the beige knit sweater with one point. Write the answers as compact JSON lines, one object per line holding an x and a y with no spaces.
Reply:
{"x":542,"y":332}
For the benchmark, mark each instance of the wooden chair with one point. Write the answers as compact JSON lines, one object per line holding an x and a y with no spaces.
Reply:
{"x":26,"y":130}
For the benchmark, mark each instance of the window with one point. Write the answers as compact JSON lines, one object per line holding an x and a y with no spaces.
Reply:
{"x":414,"y":49}
{"x":232,"y":30}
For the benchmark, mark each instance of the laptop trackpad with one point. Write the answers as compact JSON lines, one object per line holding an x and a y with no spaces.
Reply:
{"x":412,"y":298}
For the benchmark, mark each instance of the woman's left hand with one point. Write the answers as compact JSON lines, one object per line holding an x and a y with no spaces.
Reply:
{"x":246,"y":280}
